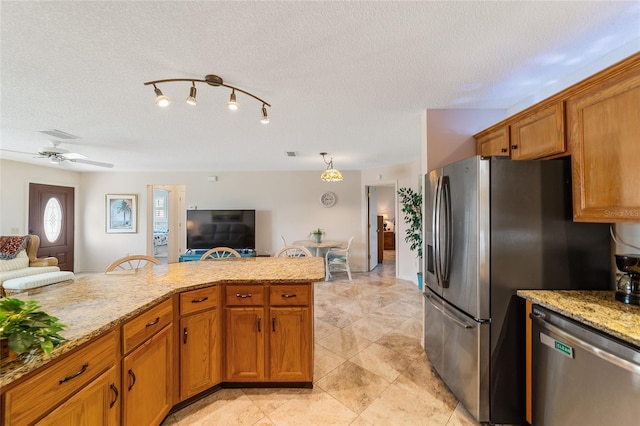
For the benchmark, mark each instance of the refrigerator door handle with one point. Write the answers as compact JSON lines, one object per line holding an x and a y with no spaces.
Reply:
{"x":445,"y":194}
{"x":444,"y":312}
{"x":437,"y":205}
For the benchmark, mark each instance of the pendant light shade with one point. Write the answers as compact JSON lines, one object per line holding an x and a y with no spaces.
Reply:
{"x":161,"y":100}
{"x":191,"y":100}
{"x":331,"y":174}
{"x":232,"y":104}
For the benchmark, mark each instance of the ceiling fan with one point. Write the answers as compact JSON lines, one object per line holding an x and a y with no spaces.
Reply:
{"x":58,"y":155}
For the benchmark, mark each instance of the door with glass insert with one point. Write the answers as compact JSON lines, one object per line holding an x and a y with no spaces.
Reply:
{"x":51,"y":218}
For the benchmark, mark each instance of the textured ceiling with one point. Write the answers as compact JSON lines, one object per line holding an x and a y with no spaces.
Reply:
{"x":349,"y":78}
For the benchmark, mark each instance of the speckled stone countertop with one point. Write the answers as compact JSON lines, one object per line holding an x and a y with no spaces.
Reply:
{"x":91,"y":304}
{"x":597,"y":309}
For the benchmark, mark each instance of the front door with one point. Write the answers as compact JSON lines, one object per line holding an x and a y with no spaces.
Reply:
{"x":51,"y":219}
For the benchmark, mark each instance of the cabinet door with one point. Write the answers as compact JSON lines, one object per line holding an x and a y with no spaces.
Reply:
{"x":539,"y":134}
{"x":604,"y":125}
{"x":495,"y":143}
{"x":244,"y":346}
{"x":96,"y":404}
{"x":200,"y":357}
{"x":146,"y":381}
{"x":291,"y":357}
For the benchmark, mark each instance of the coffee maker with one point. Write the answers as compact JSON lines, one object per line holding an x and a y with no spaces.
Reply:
{"x":628,"y":287}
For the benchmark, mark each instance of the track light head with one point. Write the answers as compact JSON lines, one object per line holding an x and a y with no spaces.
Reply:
{"x":191,"y":100}
{"x":232,"y":104}
{"x":161,"y":100}
{"x":265,"y":116}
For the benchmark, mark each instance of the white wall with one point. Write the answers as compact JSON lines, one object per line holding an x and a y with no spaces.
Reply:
{"x":286,"y":203}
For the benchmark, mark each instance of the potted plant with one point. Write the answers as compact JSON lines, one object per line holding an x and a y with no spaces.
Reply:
{"x":317,"y":234}
{"x":23,"y":326}
{"x":411,"y":202}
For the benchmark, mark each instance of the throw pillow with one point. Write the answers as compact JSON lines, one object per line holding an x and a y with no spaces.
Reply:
{"x":11,"y":245}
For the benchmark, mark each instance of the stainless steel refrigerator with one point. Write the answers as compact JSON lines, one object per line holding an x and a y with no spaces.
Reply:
{"x":494,"y":226}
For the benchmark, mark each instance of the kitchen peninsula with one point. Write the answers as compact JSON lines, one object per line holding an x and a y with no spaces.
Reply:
{"x":184,"y":328}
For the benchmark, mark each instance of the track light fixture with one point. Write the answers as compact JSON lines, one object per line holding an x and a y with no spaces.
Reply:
{"x":211,"y":80}
{"x":331,"y":174}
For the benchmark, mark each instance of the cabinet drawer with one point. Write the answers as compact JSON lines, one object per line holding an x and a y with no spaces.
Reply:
{"x":244,"y":295}
{"x":146,"y":325}
{"x":289,"y":295}
{"x":41,"y":393}
{"x":198,"y":300}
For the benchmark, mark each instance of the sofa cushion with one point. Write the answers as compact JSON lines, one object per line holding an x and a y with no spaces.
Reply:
{"x":10,"y":246}
{"x":20,"y":261}
{"x":39,"y":280}
{"x":26,"y":272}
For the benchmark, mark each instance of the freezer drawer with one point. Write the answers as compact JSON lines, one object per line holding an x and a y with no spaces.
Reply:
{"x":458,"y":348}
{"x":581,"y":377}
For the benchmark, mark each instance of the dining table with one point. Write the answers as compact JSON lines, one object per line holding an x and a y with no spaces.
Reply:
{"x":324,"y":244}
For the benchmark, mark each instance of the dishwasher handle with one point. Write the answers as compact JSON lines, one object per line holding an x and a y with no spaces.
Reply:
{"x":600,"y":353}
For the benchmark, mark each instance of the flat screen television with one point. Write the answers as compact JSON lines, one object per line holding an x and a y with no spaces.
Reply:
{"x":207,"y":229}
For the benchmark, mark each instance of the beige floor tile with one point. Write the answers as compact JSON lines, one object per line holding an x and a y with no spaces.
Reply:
{"x":323,"y":329}
{"x":324,"y":362}
{"x":225,"y":407}
{"x":382,"y":361}
{"x":338,"y":317}
{"x":405,"y":345}
{"x":397,"y":407}
{"x":412,"y":328}
{"x":344,"y":343}
{"x":461,"y":417}
{"x":265,"y":421}
{"x":269,"y":399}
{"x":312,"y":408}
{"x":353,"y":386}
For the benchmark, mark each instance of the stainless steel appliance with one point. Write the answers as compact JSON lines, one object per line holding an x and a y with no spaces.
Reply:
{"x":628,"y":288}
{"x":581,"y":376}
{"x":494,"y":226}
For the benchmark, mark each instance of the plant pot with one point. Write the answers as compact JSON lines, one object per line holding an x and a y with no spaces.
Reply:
{"x":420,"y":281}
{"x":6,"y":353}
{"x":317,"y":238}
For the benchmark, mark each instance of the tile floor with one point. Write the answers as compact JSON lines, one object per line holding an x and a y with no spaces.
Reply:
{"x":369,"y":366}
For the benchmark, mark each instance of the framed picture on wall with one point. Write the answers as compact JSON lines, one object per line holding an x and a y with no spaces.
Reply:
{"x":121,"y":213}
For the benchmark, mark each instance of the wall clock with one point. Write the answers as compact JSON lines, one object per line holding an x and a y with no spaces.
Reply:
{"x":328,"y":199}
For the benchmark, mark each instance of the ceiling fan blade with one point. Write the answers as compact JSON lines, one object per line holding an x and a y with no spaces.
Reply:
{"x":73,"y":156}
{"x":19,"y":152}
{"x":93,"y":163}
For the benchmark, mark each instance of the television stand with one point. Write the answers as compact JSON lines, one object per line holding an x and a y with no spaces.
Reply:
{"x":195,"y":254}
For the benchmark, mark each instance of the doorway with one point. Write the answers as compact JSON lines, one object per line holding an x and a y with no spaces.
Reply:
{"x":381,"y":216}
{"x":51,"y":217}
{"x":166,"y":222}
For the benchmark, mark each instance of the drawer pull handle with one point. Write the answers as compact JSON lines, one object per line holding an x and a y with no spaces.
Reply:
{"x":273,"y":323}
{"x":202,"y":299}
{"x":185,"y":334}
{"x":259,"y":324}
{"x":133,"y":379}
{"x":288,"y":296}
{"x":503,"y":150}
{"x":154,"y":322}
{"x":243,"y":296}
{"x":73,"y":376}
{"x":514,"y":146}
{"x":115,"y":397}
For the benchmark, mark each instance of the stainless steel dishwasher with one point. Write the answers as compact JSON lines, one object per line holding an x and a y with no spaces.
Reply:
{"x":581,"y":376}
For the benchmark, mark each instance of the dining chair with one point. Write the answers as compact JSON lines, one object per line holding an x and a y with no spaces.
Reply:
{"x":293,"y":251}
{"x":284,"y":242}
{"x":219,"y":253}
{"x":337,"y":260}
{"x":130,"y":264}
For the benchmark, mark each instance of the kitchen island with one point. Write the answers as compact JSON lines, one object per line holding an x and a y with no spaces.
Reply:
{"x":170,"y":313}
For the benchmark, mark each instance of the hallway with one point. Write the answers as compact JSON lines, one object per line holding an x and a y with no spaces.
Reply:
{"x":369,"y":366}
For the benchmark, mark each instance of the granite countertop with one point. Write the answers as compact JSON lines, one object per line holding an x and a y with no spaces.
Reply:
{"x":597,"y":309}
{"x":91,"y":304}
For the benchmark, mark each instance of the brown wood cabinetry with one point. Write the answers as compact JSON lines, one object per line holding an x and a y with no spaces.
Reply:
{"x":47,"y":390}
{"x":539,"y":134}
{"x":97,"y":403}
{"x":147,"y":371}
{"x":389,"y":240}
{"x":199,"y":338}
{"x":494,"y":142}
{"x":604,"y":135}
{"x":277,"y":347}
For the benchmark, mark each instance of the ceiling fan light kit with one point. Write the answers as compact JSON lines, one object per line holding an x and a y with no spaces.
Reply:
{"x":212,"y":80}
{"x":331,"y":174}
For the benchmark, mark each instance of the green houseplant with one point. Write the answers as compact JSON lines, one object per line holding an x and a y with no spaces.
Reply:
{"x":25,"y":326}
{"x":317,"y":234}
{"x":411,"y":203}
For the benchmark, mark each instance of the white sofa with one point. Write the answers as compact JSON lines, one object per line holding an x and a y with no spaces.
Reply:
{"x":26,"y":271}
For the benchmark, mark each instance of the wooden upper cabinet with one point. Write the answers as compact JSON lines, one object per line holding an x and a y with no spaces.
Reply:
{"x":539,"y":134}
{"x":493,"y":143}
{"x":604,"y":138}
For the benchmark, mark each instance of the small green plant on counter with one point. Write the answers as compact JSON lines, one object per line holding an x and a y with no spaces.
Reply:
{"x":24,"y":326}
